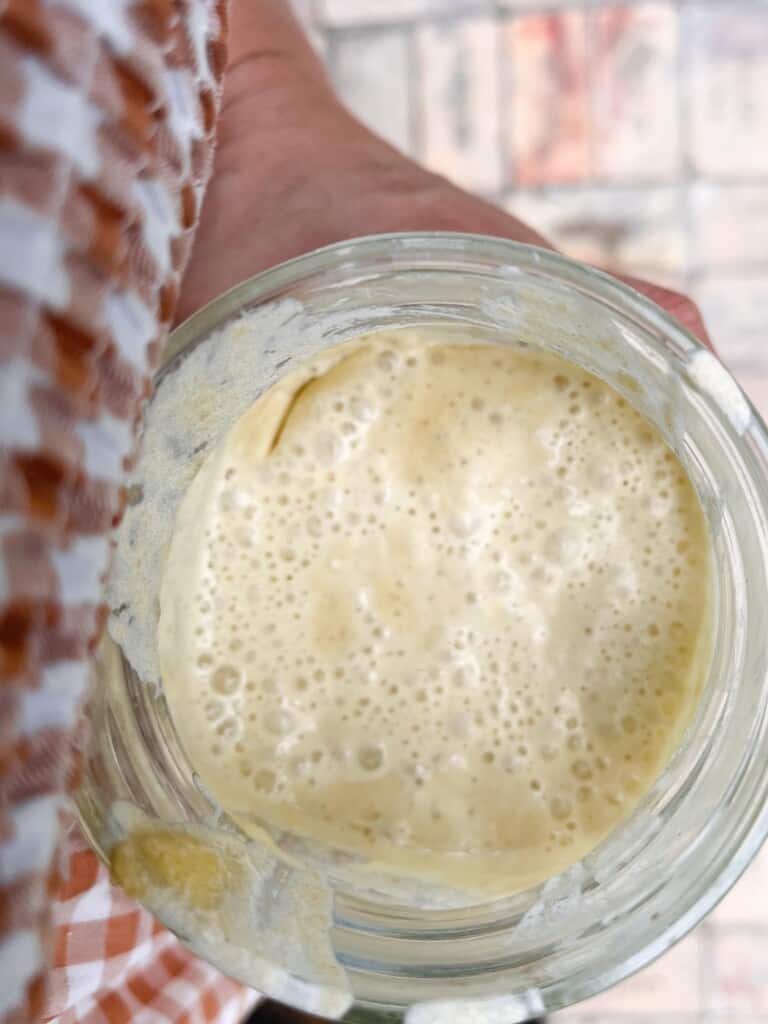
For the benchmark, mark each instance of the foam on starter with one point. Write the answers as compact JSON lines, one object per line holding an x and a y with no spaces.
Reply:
{"x":440,"y":605}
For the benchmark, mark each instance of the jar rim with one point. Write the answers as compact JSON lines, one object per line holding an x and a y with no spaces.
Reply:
{"x":416,"y":245}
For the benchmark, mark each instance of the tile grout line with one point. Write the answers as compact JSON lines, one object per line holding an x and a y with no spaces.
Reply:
{"x":686,"y":178}
{"x":505,"y":77}
{"x":589,"y":22}
{"x":414,"y":91}
{"x":438,"y":14}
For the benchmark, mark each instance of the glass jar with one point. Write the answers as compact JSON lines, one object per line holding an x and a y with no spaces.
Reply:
{"x":654,"y":877}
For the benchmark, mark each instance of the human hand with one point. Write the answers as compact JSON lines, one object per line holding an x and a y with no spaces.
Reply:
{"x":295,"y":171}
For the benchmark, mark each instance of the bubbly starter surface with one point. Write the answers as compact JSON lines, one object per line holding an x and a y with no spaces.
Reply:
{"x":442,"y":605}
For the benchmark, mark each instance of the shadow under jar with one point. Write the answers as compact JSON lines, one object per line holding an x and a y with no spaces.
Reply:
{"x":293,"y":926}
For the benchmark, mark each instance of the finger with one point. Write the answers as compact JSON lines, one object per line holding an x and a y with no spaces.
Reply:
{"x":469,"y":213}
{"x":680,"y":306}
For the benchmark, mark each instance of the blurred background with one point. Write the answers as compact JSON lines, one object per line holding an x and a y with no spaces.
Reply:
{"x":635,"y":135}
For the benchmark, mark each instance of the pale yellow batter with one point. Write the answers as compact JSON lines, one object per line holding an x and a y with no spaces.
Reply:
{"x":442,"y":605}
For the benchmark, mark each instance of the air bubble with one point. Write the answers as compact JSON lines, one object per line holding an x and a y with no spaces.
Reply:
{"x":264,"y":780}
{"x":280,"y":721}
{"x":386,"y":362}
{"x":581,"y":770}
{"x":213,"y":709}
{"x":225,"y":680}
{"x":370,"y":758}
{"x":228,"y":729}
{"x":560,"y":808}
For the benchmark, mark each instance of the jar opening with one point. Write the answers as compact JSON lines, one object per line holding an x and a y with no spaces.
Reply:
{"x":660,"y":872}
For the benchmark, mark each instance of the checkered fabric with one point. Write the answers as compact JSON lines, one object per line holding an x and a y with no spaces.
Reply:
{"x":107,"y":113}
{"x":113,"y":963}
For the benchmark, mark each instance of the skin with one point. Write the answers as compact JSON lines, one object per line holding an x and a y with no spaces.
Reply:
{"x":294,"y":171}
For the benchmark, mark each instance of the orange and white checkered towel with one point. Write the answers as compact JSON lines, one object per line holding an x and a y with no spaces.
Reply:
{"x":107,"y":115}
{"x":114,"y":963}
